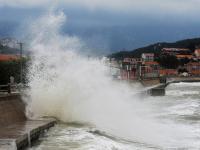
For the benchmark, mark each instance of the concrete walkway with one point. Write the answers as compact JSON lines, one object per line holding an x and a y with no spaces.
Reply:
{"x":21,"y":134}
{"x":16,"y":131}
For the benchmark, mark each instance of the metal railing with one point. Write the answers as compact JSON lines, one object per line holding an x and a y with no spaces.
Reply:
{"x":9,"y":88}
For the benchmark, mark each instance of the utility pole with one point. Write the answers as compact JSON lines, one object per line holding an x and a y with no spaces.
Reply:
{"x":21,"y":67}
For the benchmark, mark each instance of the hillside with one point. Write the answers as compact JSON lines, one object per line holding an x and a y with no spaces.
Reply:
{"x":156,"y":48}
{"x":8,"y":50}
{"x":8,"y":46}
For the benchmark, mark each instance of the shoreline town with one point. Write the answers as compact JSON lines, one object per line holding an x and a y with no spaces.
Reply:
{"x":148,"y":67}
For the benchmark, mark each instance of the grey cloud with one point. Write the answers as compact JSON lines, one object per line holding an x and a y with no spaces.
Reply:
{"x":126,"y":6}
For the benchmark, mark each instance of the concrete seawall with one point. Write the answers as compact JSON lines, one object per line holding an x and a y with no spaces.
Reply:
{"x":16,"y":131}
{"x":11,"y":109}
{"x":159,"y":90}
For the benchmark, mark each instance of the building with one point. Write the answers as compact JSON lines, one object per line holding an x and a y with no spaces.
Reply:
{"x":114,"y":67}
{"x":193,"y":68}
{"x":149,"y":69}
{"x":129,"y":68}
{"x":7,"y":57}
{"x":180,"y":53}
{"x":128,"y":74}
{"x":179,"y":56}
{"x":145,"y":67}
{"x":147,"y":57}
{"x":129,"y":60}
{"x":132,"y":60}
{"x":168,"y":72}
{"x":176,"y":51}
{"x":197,"y":53}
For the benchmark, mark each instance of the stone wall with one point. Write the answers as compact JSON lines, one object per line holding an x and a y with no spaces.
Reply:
{"x":11,"y":109}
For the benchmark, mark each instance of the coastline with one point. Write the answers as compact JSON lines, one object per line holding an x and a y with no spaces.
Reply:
{"x":16,"y":130}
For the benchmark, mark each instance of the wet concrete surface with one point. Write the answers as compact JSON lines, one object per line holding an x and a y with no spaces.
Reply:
{"x":12,"y":109}
{"x":7,"y":145}
{"x":20,"y":134}
{"x":16,"y":131}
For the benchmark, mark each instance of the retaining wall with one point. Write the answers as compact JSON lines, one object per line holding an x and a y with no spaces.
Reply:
{"x":11,"y":109}
{"x":16,"y":131}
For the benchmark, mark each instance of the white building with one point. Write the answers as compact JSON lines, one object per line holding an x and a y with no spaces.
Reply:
{"x":147,"y":57}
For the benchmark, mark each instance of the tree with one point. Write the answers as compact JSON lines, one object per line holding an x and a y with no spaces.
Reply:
{"x":168,"y":61}
{"x":12,"y":68}
{"x":184,"y":61}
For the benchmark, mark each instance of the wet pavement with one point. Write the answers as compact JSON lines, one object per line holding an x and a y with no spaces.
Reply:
{"x":20,"y":134}
{"x":16,"y":132}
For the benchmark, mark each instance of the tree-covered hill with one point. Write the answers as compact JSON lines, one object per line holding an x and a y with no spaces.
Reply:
{"x":156,"y":48}
{"x":9,"y":46}
{"x":8,"y":50}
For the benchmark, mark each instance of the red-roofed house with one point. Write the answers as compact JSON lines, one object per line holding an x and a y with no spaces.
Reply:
{"x":149,"y":69}
{"x":128,"y":68}
{"x":176,"y":51}
{"x":184,"y":56}
{"x":193,"y":68}
{"x":147,"y":57}
{"x":168,"y":72}
{"x":6,"y":57}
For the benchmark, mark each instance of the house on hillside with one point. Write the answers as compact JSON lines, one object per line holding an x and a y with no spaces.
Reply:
{"x":179,"y":56}
{"x":193,"y":68}
{"x":197,"y":53}
{"x":147,"y":57}
{"x":114,"y":66}
{"x":176,"y":51}
{"x":168,"y":72}
{"x":148,"y":68}
{"x":180,"y":53}
{"x":129,"y":68}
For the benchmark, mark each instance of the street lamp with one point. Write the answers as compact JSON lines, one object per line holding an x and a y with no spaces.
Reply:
{"x":21,"y":67}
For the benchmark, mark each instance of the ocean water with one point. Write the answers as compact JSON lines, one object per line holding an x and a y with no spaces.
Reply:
{"x":180,"y":108}
{"x":95,"y":111}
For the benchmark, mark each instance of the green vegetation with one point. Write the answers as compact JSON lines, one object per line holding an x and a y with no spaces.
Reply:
{"x":12,"y":68}
{"x":171,"y":62}
{"x":156,"y":48}
{"x":168,"y":61}
{"x":8,"y":50}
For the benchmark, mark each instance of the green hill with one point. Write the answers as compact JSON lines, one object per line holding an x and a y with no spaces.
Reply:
{"x":156,"y":48}
{"x":8,"y":50}
{"x":8,"y":45}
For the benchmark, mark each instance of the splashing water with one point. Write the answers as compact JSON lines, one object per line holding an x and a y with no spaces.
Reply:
{"x":68,"y":86}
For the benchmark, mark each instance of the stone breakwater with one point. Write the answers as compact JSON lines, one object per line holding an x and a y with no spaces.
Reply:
{"x":16,"y":131}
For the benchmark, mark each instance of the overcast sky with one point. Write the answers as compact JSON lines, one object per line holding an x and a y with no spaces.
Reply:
{"x":173,"y":6}
{"x":134,"y":23}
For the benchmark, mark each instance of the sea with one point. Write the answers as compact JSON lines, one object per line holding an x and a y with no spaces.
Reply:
{"x":95,"y":112}
{"x":178,"y":110}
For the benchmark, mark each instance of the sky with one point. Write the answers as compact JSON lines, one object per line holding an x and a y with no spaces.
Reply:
{"x":110,"y":25}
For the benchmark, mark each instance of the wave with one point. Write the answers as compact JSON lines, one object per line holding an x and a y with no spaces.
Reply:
{"x":69,"y":86}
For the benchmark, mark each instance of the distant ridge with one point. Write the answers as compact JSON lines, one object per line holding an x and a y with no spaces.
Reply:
{"x":156,"y":48}
{"x":8,"y":46}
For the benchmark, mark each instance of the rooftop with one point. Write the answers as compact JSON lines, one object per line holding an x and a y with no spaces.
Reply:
{"x":5,"y":57}
{"x":194,"y":63}
{"x":184,"y":56}
{"x":151,"y":63}
{"x":175,"y":49}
